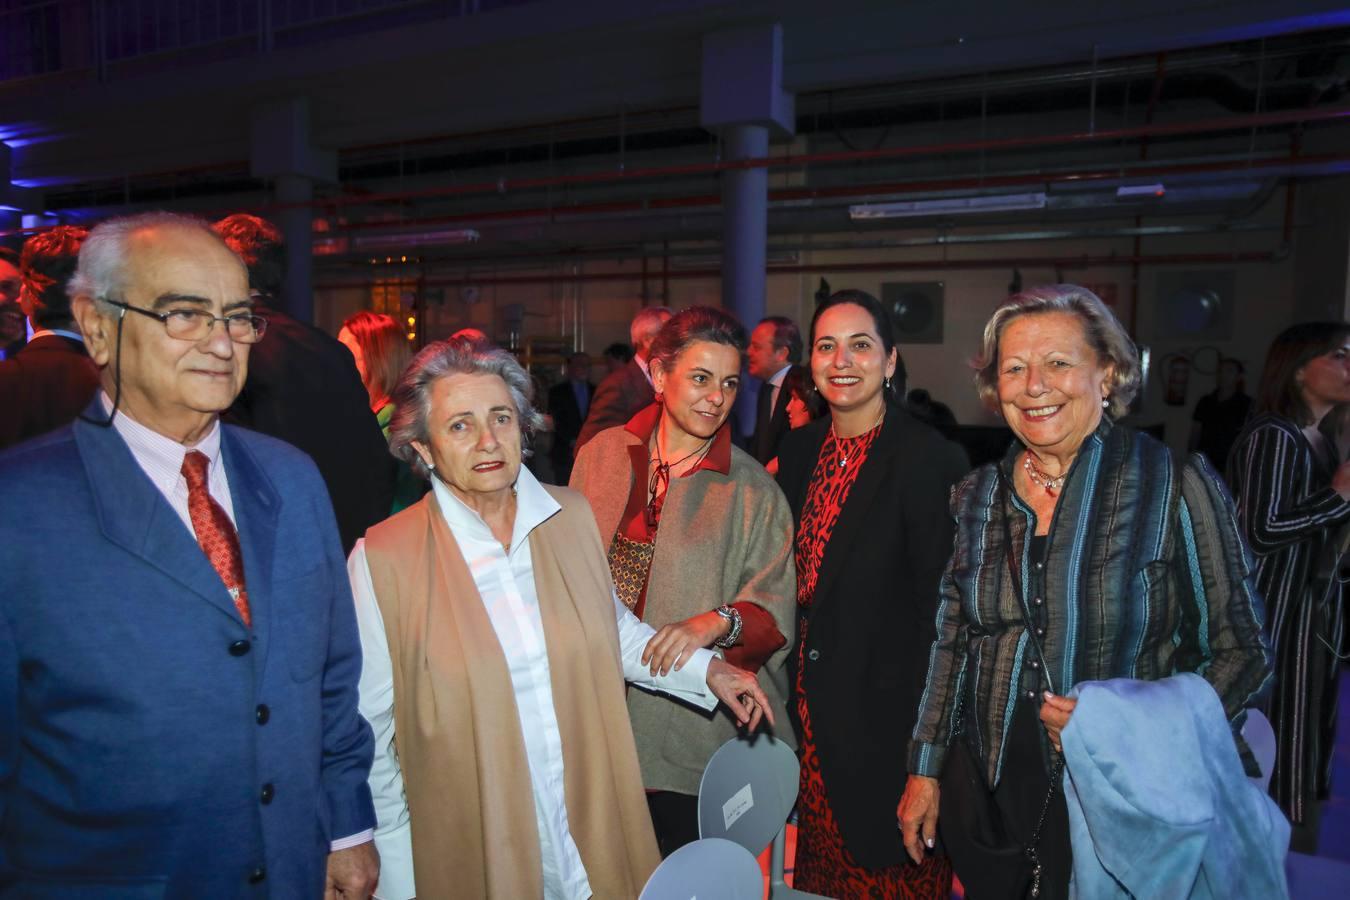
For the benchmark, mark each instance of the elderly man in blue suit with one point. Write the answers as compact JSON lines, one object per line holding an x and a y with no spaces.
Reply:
{"x":178,"y":648}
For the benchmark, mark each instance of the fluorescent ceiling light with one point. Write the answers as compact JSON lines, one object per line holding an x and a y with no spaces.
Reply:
{"x":947,"y":206}
{"x":1133,"y":191}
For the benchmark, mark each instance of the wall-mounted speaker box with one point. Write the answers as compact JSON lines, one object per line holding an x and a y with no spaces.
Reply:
{"x":1195,"y":306}
{"x":915,"y":309}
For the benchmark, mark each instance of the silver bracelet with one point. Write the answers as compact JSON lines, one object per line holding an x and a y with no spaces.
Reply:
{"x":732,"y":615}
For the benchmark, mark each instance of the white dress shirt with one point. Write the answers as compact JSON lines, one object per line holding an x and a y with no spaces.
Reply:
{"x":505,"y":582}
{"x":646,"y":369}
{"x":59,"y":332}
{"x":775,"y":384}
{"x":161,"y":459}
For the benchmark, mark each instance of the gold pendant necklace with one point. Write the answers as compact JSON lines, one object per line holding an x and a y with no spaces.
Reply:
{"x":839,"y":442}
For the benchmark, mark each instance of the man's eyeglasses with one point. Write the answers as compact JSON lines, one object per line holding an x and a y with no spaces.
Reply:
{"x":195,"y":324}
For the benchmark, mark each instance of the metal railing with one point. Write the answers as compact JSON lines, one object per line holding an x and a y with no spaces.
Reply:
{"x":106,"y":37}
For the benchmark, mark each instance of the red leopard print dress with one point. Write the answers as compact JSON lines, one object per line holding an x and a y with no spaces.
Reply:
{"x":823,"y":864}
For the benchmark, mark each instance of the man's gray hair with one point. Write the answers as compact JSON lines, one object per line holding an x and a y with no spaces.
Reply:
{"x":412,"y":396}
{"x":100,"y":273}
{"x":1102,"y":329}
{"x":646,"y":324}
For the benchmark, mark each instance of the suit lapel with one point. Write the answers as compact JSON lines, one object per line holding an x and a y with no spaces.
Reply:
{"x":853,"y":518}
{"x":256,"y":509}
{"x":135,"y":516}
{"x":778,"y":422}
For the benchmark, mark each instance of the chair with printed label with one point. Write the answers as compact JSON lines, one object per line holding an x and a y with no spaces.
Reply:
{"x":707,"y":869}
{"x":747,"y":792}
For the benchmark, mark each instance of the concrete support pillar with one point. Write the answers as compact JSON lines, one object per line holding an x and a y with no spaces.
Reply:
{"x":1322,"y":251}
{"x":283,"y":152}
{"x":745,"y":224}
{"x":297,"y":227}
{"x":14,"y":200}
{"x":741,"y":100}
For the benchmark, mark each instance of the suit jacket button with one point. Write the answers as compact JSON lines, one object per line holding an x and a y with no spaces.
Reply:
{"x":267,"y":793}
{"x":257,"y":875}
{"x":262,"y":714}
{"x":813,"y":655}
{"x":239,"y":648}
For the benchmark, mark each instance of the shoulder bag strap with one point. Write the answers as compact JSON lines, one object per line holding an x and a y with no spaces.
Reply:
{"x":1057,"y":770}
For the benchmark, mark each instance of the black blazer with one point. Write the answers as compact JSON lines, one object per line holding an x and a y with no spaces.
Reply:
{"x":769,"y":435}
{"x":567,"y":420}
{"x":303,"y":388}
{"x":46,"y":385}
{"x":872,"y":620}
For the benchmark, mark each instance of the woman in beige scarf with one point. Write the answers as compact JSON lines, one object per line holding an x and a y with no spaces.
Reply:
{"x":495,"y":656}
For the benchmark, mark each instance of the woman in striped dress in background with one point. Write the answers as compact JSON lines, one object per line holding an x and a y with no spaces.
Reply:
{"x":1293,"y":499}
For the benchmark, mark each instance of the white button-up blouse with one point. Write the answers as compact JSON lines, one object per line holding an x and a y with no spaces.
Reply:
{"x":505,"y":581}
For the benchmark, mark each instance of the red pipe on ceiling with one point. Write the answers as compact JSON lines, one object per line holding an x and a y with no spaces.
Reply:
{"x":862,"y":190}
{"x":1066,"y":262}
{"x":1176,"y":129}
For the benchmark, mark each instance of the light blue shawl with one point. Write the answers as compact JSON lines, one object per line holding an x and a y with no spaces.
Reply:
{"x":1158,"y":803}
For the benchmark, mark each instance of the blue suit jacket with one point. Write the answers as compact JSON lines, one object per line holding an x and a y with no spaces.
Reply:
{"x":150,"y":744}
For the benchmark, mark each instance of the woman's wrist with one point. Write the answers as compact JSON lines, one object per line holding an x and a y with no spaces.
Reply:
{"x":732,"y":619}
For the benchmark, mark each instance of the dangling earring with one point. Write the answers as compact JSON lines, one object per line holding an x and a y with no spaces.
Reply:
{"x":660,"y":398}
{"x":1106,"y":402}
{"x":887,"y":382}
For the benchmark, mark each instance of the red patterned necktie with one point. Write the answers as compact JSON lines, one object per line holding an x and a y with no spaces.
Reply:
{"x":215,"y":532}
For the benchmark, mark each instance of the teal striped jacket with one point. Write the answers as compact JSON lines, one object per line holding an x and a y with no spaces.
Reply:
{"x":1145,"y":575}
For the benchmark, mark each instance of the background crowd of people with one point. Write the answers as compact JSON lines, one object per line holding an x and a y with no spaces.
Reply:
{"x":450,"y":717}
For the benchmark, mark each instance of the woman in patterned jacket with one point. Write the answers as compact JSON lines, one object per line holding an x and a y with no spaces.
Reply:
{"x":1087,"y":553}
{"x":1293,"y":504}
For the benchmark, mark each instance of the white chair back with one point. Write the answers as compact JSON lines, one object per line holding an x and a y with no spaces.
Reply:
{"x":1260,"y":737}
{"x":707,"y":869}
{"x":747,"y":792}
{"x":748,"y":789}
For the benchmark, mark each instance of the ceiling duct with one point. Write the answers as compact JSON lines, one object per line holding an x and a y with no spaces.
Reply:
{"x":946,"y":206}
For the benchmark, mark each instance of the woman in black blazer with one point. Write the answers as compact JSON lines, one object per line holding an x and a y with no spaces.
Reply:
{"x":870,"y":501}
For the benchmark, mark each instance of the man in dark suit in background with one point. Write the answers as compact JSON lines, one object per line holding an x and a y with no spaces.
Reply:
{"x":51,"y":379}
{"x":629,"y":389}
{"x":568,"y":404}
{"x":303,"y":388}
{"x":775,"y":347}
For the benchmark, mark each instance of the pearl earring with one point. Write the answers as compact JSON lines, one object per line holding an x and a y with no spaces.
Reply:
{"x":887,"y":382}
{"x":1105,"y":402}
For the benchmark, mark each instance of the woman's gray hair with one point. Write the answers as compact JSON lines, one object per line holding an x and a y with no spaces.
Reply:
{"x":412,"y":395}
{"x":1103,"y":330}
{"x":100,"y":273}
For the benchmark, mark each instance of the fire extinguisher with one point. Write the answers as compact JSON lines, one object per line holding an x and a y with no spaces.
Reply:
{"x":1178,"y":380}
